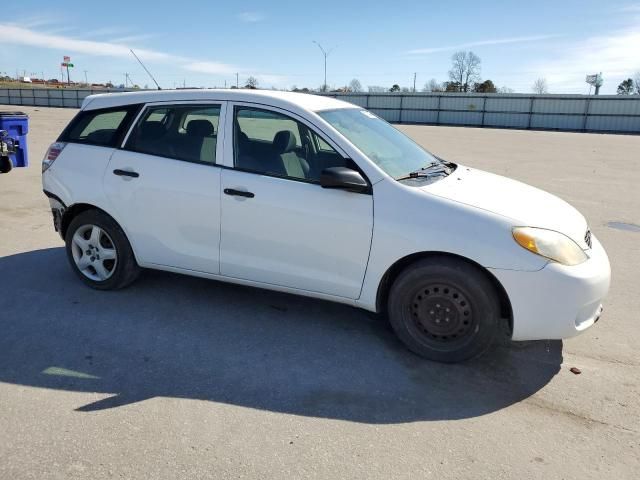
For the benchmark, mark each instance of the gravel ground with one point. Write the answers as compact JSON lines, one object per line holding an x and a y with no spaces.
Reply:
{"x":184,"y":377}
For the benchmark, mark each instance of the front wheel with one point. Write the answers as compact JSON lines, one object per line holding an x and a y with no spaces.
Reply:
{"x":444,"y":309}
{"x":99,"y":251}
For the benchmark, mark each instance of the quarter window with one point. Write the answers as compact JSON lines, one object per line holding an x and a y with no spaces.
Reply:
{"x":183,"y":132}
{"x":102,"y":127}
{"x":271,"y":143}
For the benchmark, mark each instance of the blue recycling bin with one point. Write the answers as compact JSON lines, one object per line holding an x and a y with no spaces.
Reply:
{"x":17,"y":125}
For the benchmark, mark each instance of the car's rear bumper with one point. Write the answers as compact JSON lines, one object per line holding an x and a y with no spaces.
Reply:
{"x":557,"y":301}
{"x":57,"y":210}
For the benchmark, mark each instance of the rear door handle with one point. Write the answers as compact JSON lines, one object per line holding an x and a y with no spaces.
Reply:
{"x":126,"y":173}
{"x":238,"y":193}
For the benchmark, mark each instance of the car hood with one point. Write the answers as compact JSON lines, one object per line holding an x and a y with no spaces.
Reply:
{"x":523,"y":204}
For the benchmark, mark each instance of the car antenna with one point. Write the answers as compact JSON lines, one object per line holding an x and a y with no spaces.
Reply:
{"x":145,"y":68}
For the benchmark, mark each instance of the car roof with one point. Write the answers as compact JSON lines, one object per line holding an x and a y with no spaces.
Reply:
{"x":287,"y":100}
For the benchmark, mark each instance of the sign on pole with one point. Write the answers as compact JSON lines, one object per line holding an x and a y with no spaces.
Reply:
{"x":595,"y":80}
{"x":67,"y":63}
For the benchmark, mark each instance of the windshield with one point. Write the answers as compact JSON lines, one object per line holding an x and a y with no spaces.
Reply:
{"x":390,"y":149}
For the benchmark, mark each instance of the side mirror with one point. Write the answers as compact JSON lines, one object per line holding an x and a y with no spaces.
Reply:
{"x":343,"y":178}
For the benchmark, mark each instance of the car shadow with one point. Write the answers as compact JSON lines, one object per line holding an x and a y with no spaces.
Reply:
{"x":176,"y":336}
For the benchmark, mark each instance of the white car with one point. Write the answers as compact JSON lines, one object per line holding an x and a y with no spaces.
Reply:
{"x":310,"y":195}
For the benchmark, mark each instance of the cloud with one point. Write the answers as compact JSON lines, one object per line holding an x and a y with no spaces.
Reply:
{"x":119,"y":48}
{"x":213,"y":68}
{"x":250,"y":17}
{"x":631,"y":8}
{"x":128,"y":39}
{"x":481,"y":43}
{"x":615,"y":55}
{"x":10,"y":34}
{"x":266,"y":79}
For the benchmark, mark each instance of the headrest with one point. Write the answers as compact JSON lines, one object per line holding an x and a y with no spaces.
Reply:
{"x":200,"y":128}
{"x":152,"y":130}
{"x":284,"y":142}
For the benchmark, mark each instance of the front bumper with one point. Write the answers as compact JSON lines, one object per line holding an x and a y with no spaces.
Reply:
{"x":557,"y":301}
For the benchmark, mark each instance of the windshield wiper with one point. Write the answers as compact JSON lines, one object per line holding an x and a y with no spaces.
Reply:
{"x":429,"y":171}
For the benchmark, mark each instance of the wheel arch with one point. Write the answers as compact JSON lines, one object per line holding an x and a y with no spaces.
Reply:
{"x":73,"y":211}
{"x":77,"y":208}
{"x":394,"y":270}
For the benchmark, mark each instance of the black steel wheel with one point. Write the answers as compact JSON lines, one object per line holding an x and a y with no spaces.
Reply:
{"x":444,"y":309}
{"x":442,"y":313}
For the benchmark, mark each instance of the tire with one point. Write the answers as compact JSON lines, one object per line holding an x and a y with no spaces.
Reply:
{"x":444,"y":309}
{"x":99,"y":252}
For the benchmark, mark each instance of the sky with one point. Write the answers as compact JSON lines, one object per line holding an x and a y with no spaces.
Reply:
{"x":206,"y":43}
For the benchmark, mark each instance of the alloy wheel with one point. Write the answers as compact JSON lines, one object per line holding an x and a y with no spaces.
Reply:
{"x":94,"y":252}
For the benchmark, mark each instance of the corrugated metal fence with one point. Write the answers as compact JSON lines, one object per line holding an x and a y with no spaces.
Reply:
{"x":602,"y":113}
{"x":49,"y":97}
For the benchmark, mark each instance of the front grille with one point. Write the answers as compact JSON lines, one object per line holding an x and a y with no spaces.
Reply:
{"x":587,"y":238}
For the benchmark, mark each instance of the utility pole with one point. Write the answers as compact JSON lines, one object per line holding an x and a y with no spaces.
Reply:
{"x":237,"y":82}
{"x":414,"y":82}
{"x":325,"y":53}
{"x":85,"y":78}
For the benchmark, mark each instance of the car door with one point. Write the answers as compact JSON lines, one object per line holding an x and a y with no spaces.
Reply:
{"x":279,"y":226}
{"x":164,"y":185}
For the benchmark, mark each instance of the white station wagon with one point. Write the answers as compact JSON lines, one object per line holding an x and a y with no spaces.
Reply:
{"x":310,"y":195}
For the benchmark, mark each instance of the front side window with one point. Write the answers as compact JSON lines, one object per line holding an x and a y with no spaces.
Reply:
{"x":101,"y":127}
{"x":271,"y":143}
{"x":183,"y":132}
{"x":386,"y":146}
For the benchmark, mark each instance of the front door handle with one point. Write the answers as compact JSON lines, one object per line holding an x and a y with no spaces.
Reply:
{"x":126,"y":173}
{"x":238,"y":193}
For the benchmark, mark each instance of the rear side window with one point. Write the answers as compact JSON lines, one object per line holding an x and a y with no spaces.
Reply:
{"x":103,"y":127}
{"x":182,"y":132}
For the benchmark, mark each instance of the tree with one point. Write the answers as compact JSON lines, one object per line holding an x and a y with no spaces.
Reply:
{"x":432,"y":86}
{"x":465,"y":69}
{"x":355,"y":85}
{"x":451,"y":87}
{"x":395,"y":88}
{"x":637,"y":82}
{"x":540,"y":86}
{"x":626,"y":87}
{"x":376,"y":89}
{"x":252,"y":82}
{"x":485,"y":87}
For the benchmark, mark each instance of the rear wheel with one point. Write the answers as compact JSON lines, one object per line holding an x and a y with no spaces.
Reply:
{"x":99,"y":251}
{"x":444,"y":309}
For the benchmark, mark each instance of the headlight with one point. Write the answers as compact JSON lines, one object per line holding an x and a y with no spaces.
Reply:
{"x":550,"y":244}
